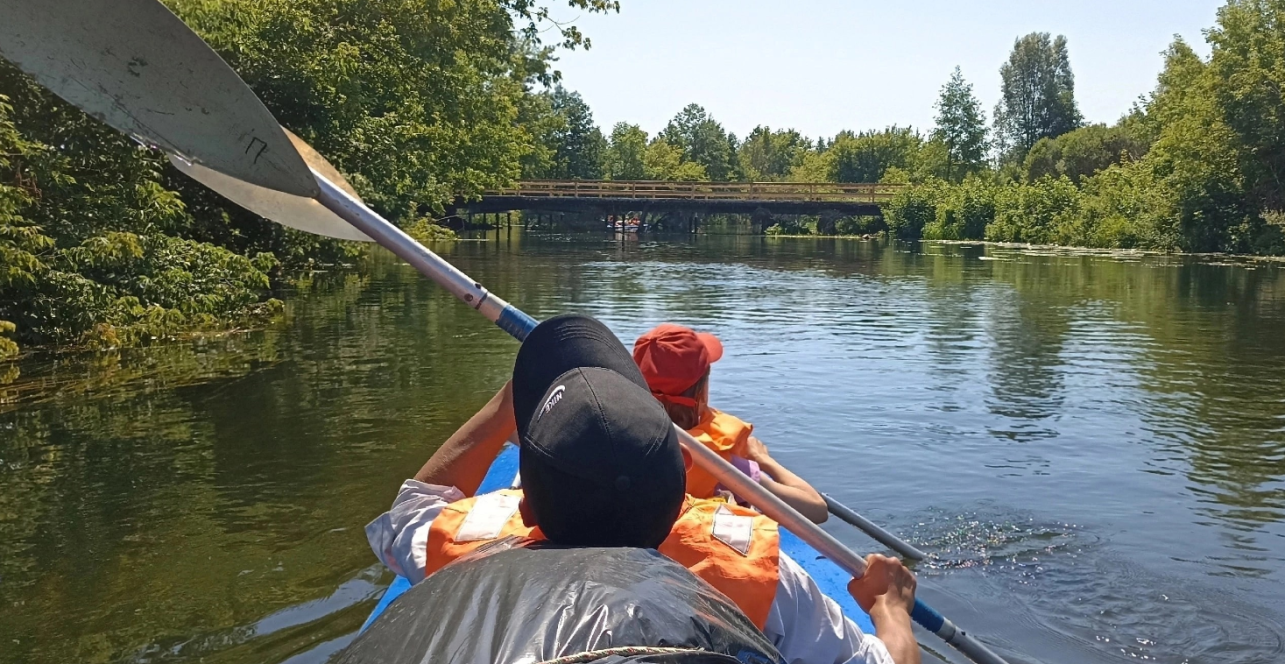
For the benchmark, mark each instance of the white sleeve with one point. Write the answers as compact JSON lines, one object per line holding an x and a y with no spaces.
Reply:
{"x":399,"y":537}
{"x":809,"y":628}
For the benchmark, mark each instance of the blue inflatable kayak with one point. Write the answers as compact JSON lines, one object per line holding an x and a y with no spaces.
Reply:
{"x":832,"y":580}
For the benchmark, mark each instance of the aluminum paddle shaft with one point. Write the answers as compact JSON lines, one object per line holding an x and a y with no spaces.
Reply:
{"x":429,"y":264}
{"x":518,"y":324}
{"x":849,"y":515}
{"x":825,"y":544}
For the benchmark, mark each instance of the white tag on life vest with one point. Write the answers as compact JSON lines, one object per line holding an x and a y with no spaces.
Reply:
{"x":487,"y":518}
{"x":733,"y":530}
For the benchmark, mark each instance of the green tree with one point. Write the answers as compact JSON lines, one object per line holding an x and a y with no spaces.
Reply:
{"x":664,"y":161}
{"x":90,"y":236}
{"x":768,"y":155}
{"x":961,"y":128}
{"x":1037,"y":98}
{"x":813,"y":167}
{"x":1084,"y":152}
{"x":865,"y":157}
{"x":575,"y":145}
{"x":702,"y":141}
{"x":626,"y":153}
{"x":417,"y":100}
{"x":1247,"y":64}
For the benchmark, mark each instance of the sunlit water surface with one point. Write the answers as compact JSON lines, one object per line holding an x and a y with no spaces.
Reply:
{"x":1092,"y":447}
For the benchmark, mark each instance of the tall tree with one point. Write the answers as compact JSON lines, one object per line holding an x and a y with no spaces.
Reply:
{"x":768,"y":155}
{"x":961,"y":127}
{"x":1248,"y":63}
{"x":626,"y":153}
{"x":577,"y":143}
{"x":1038,"y":94}
{"x":702,"y":141}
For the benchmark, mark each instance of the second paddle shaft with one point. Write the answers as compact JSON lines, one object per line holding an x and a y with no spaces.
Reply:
{"x":518,"y":324}
{"x":742,"y":485}
{"x":902,"y":547}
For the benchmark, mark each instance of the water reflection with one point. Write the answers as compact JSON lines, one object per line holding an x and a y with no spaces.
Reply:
{"x":204,"y":500}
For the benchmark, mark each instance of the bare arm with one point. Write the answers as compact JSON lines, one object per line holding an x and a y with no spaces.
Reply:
{"x":887,"y":593}
{"x":462,"y":461}
{"x":794,"y":490}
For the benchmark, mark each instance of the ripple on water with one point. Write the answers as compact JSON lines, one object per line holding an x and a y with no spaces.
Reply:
{"x":1057,"y":580}
{"x":306,"y":633}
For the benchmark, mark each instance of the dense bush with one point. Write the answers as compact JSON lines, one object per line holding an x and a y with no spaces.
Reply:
{"x":860,"y":225}
{"x":962,"y":212}
{"x":416,"y":101}
{"x":789,"y":226}
{"x":1035,"y":213}
{"x":1082,"y":153}
{"x":913,"y":208}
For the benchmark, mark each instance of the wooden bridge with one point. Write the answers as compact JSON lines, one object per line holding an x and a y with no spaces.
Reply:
{"x":620,"y":196}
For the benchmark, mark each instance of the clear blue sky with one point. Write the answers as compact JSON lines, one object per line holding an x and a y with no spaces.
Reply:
{"x":820,"y":66}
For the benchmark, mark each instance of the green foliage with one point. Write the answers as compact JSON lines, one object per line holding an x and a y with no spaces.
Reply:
{"x":865,"y":157}
{"x":626,"y":153}
{"x":418,"y":102}
{"x":962,"y":212}
{"x":860,"y":226}
{"x":419,"y":97}
{"x":771,"y":156}
{"x":813,"y":167}
{"x":536,"y":15}
{"x":1247,"y":67}
{"x":664,"y":161}
{"x":1037,"y":99}
{"x":1197,"y":166}
{"x":572,"y":146}
{"x":1083,"y":152}
{"x":1123,"y":207}
{"x":1033,"y":212}
{"x":91,"y":237}
{"x":790,"y":226}
{"x":702,"y":141}
{"x":913,"y":208}
{"x":961,"y":128}
{"x":425,"y":231}
{"x":8,"y":347}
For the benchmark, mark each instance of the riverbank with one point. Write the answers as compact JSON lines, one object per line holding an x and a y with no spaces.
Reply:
{"x":1051,"y":249}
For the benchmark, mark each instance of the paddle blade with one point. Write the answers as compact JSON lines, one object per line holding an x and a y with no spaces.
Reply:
{"x":319,"y":164}
{"x":135,"y":66}
{"x":297,"y":212}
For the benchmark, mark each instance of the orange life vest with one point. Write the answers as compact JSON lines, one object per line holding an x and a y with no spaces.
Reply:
{"x":725,"y":434}
{"x":734,"y":549}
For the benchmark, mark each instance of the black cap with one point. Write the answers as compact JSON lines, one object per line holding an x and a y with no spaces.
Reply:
{"x":600,"y":461}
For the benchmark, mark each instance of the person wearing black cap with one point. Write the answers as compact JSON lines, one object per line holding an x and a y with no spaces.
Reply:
{"x":601,"y":467}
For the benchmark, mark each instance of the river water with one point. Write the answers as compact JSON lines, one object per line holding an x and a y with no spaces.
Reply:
{"x":1091,"y":446}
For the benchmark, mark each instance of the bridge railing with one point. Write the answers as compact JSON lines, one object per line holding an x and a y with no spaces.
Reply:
{"x":742,"y":191}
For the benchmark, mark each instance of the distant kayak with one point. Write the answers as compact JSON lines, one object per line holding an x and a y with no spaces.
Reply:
{"x":832,"y":580}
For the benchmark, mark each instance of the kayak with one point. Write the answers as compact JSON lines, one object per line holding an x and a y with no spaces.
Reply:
{"x":832,"y":580}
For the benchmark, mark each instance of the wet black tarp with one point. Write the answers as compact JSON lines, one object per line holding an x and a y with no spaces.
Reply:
{"x":524,"y":605}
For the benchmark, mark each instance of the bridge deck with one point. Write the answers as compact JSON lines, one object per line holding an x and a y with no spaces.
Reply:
{"x":815,"y":192}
